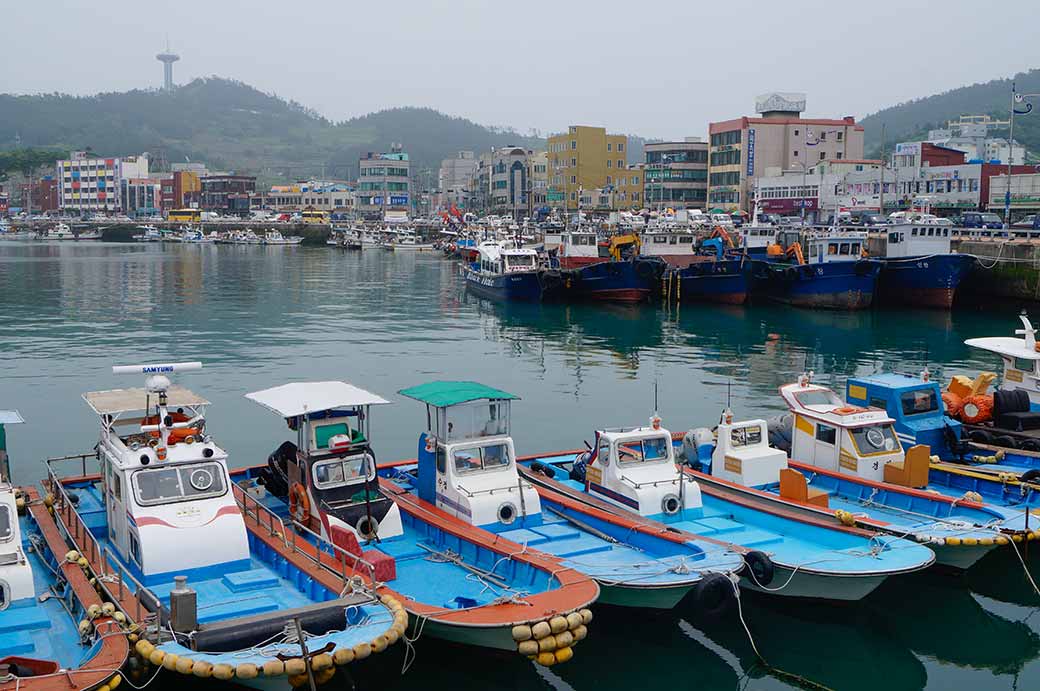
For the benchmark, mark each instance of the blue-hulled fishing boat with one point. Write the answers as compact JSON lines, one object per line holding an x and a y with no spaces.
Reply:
{"x":504,"y":273}
{"x":919,"y":268}
{"x":56,"y":633}
{"x":808,"y":556}
{"x":832,"y":275}
{"x":846,"y":462}
{"x":459,"y":583}
{"x":164,"y":531}
{"x":467,"y":467}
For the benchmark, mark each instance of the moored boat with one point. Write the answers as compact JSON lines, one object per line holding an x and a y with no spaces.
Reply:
{"x":919,"y":269}
{"x":503,"y":273}
{"x":163,"y":529}
{"x":464,"y":584}
{"x":56,"y":631}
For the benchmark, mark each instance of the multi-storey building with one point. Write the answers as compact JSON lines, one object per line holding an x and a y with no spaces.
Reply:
{"x":181,"y":190}
{"x":453,"y":179}
{"x":538,"y":174}
{"x":744,"y":149}
{"x":510,"y":181}
{"x":140,"y":196}
{"x":676,"y":174}
{"x":89,"y":183}
{"x":227,"y":193}
{"x":587,"y":158}
{"x":384,"y":183}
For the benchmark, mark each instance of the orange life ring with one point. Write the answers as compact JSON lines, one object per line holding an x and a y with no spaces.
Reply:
{"x":299,"y":503}
{"x":953,"y":403}
{"x":178,"y":435}
{"x":977,"y":408}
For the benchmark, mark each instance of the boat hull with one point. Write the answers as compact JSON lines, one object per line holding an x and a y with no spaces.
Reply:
{"x":645,"y":598}
{"x":832,"y":285}
{"x":521,"y":286}
{"x":726,"y":282}
{"x":923,"y":281}
{"x":611,"y":281}
{"x":796,"y":583}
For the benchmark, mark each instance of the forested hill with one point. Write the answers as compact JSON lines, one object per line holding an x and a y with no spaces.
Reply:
{"x":911,"y":120}
{"x":230,"y":125}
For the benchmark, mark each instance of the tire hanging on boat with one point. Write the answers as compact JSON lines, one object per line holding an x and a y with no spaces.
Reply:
{"x":759,"y":567}
{"x":713,"y":597}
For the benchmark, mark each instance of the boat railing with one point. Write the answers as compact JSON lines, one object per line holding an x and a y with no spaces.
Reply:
{"x":492,"y":490}
{"x":649,"y":483}
{"x":98,"y":557}
{"x":265,"y":518}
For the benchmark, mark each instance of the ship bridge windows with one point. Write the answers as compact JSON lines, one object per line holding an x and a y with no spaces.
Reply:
{"x":826,"y":434}
{"x":914,"y":402}
{"x":745,"y":436}
{"x":343,"y":471}
{"x":5,"y":523}
{"x":818,"y":397}
{"x":182,"y":483}
{"x":876,"y":439}
{"x":481,"y":458}
{"x":1024,"y":364}
{"x":643,"y":450}
{"x":520,"y":261}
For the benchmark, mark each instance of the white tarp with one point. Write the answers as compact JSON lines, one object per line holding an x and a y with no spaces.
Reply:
{"x":297,"y":398}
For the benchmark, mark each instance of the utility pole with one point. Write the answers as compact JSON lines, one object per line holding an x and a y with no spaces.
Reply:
{"x":881,"y":190}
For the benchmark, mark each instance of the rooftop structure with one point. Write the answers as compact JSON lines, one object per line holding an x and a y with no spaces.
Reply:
{"x":167,"y":58}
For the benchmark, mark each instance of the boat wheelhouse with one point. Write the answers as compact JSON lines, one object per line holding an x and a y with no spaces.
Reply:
{"x":328,"y":475}
{"x":579,"y":247}
{"x":166,"y":534}
{"x":675,"y":245}
{"x":504,"y":273}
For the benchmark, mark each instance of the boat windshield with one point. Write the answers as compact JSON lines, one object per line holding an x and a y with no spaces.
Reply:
{"x":643,"y":450}
{"x":875,"y":439}
{"x":481,"y":458}
{"x":338,"y":472}
{"x":5,"y":523}
{"x":520,"y":260}
{"x":746,"y":436}
{"x":818,"y":397}
{"x":181,"y":483}
{"x":923,"y":401}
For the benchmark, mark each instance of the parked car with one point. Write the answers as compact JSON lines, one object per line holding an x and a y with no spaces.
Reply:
{"x":980,"y":219}
{"x":1030,"y":222}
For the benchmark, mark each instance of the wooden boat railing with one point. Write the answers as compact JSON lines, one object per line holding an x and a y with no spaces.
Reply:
{"x":252,"y":508}
{"x":136,"y":601}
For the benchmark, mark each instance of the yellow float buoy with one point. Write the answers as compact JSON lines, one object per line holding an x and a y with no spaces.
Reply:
{"x":528,"y":647}
{"x":202,"y":669}
{"x":320,"y":662}
{"x":223,"y":671}
{"x":362,"y":650}
{"x":573,"y":620}
{"x":580,"y":633}
{"x":157,"y":657}
{"x":184,"y":665}
{"x":546,"y":659}
{"x":170,"y":662}
{"x":541,"y":629}
{"x":274,"y":668}
{"x":586,"y":615}
{"x":547,"y":644}
{"x":522,"y":633}
{"x":343,"y":656}
{"x":564,"y":654}
{"x":558,"y":624}
{"x":295,"y":667}
{"x":247,"y":670}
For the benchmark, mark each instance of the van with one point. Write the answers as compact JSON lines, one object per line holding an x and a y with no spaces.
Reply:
{"x":979,"y":219}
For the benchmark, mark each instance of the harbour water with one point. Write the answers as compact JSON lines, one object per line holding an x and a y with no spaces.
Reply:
{"x":258,"y":317}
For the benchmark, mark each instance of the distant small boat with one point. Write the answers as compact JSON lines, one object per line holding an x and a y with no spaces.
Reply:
{"x":274,"y":237}
{"x":62,"y":231}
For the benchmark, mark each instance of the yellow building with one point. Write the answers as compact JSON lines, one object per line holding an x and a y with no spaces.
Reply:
{"x":586,"y":159}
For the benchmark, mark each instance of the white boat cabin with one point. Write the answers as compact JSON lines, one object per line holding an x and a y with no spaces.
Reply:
{"x":825,"y":246}
{"x":635,"y":468}
{"x":830,"y":434}
{"x":1020,"y":356}
{"x":165,"y":481}
{"x":758,"y":238}
{"x":669,"y":243}
{"x":579,"y":244}
{"x":329,"y":473}
{"x":742,"y":453}
{"x":16,"y":576}
{"x":495,"y":259}
{"x":467,"y":461}
{"x":915,"y":240}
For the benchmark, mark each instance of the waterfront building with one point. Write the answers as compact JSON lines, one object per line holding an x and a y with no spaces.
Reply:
{"x":227,"y":193}
{"x":972,"y":134}
{"x":929,"y":174}
{"x":314,"y":195}
{"x":453,"y":180}
{"x":384,"y":183}
{"x":89,"y":183}
{"x":744,"y":149}
{"x":587,"y":158}
{"x":1025,"y":192}
{"x":676,"y":174}
{"x":180,"y":190}
{"x":538,"y":167}
{"x":510,"y":181}
{"x":140,"y":196}
{"x":43,"y":194}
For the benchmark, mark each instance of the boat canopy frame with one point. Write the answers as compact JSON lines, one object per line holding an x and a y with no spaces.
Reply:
{"x":463,"y":410}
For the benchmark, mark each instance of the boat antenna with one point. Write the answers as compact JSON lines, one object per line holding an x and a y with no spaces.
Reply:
{"x":655,"y":398}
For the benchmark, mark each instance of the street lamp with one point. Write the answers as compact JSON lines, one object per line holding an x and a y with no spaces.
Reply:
{"x":1027,"y":107}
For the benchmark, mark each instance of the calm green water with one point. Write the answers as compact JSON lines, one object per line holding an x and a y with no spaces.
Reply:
{"x":259,"y":317}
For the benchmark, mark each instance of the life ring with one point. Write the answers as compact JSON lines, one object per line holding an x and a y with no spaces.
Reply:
{"x":299,"y":503}
{"x":181,"y":434}
{"x":367,"y":527}
{"x":977,"y":408}
{"x":670,"y":504}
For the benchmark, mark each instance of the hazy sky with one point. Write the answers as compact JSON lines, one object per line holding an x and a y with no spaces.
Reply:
{"x":660,"y":68}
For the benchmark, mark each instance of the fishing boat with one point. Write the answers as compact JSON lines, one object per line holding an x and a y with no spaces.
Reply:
{"x":164,"y":531}
{"x":275,"y":237}
{"x":243,"y":237}
{"x":467,"y":466}
{"x":56,"y":632}
{"x":787,"y":552}
{"x":196,"y":236}
{"x":62,"y":231}
{"x":407,"y":241}
{"x":834,"y":274}
{"x":149,"y":234}
{"x":503,"y":273}
{"x":463,"y":584}
{"x":919,"y":269}
{"x":578,"y":247}
{"x":675,"y":245}
{"x":711,"y":276}
{"x":846,"y":461}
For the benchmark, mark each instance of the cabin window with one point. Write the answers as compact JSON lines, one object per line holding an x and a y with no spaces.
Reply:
{"x":879,"y":403}
{"x":342,"y":471}
{"x":686,"y":240}
{"x":855,"y":249}
{"x":913,"y":232}
{"x":946,"y":232}
{"x":673,"y":240}
{"x":3,"y":596}
{"x":1023,"y":364}
{"x":660,"y":240}
{"x":117,"y":486}
{"x":473,"y":460}
{"x":745,"y":436}
{"x":135,"y":549}
{"x":521,"y":260}
{"x":603,"y":455}
{"x":5,"y":523}
{"x":640,"y":450}
{"x":183,"y":483}
{"x":915,"y":402}
{"x":819,"y":397}
{"x":442,"y":464}
{"x":877,"y":439}
{"x":844,"y":248}
{"x":826,"y":434}
{"x":832,"y":248}
{"x":893,"y":237}
{"x":813,"y":249}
